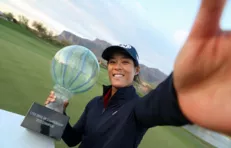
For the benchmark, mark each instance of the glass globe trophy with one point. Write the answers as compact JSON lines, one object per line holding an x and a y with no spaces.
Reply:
{"x":74,"y":69}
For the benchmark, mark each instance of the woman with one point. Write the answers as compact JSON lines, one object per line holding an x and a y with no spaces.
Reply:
{"x":198,"y":91}
{"x":119,"y":118}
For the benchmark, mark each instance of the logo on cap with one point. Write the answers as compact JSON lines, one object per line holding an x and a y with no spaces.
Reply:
{"x":125,"y":46}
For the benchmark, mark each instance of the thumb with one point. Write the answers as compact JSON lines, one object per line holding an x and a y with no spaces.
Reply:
{"x":66,"y":103}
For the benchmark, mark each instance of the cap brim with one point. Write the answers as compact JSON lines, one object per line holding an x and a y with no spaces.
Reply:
{"x":108,"y":52}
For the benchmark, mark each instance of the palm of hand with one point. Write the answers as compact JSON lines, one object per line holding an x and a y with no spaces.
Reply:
{"x":202,"y":74}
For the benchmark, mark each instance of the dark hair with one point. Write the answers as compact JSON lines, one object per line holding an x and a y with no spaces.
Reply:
{"x":137,"y":79}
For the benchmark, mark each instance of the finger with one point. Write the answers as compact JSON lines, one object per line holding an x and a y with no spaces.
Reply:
{"x":66,"y":103}
{"x":47,"y":102}
{"x":51,"y":97}
{"x":52,"y":100}
{"x":208,"y":18}
{"x":227,"y":33}
{"x":52,"y":93}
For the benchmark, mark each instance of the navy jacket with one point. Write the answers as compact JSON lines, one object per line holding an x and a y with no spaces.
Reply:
{"x":126,"y":119}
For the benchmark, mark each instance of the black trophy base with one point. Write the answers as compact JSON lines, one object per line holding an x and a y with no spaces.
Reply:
{"x":45,"y":121}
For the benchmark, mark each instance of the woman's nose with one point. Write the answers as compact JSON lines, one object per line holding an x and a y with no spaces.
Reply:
{"x":117,"y":66}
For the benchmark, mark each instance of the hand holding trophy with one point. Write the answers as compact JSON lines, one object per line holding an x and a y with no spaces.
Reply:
{"x":74,"y":70}
{"x":52,"y":98}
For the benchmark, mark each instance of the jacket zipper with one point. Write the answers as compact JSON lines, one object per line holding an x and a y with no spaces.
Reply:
{"x":108,"y":105}
{"x":106,"y":108}
{"x":103,"y":110}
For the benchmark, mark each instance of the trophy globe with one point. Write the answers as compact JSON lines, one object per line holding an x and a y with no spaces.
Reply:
{"x":74,"y":69}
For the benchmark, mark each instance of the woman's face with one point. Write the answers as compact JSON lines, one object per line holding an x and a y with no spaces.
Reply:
{"x":121,"y":70}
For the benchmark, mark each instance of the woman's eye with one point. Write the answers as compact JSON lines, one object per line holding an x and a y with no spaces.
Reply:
{"x":111,"y":62}
{"x":125,"y":62}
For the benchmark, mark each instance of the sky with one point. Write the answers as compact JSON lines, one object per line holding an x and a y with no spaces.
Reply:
{"x":156,"y":28}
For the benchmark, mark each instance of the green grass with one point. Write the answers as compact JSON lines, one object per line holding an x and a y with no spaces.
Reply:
{"x":25,"y":78}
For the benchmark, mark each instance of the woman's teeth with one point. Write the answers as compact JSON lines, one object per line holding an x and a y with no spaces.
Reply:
{"x":117,"y":75}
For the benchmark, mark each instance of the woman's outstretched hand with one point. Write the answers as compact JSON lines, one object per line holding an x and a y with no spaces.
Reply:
{"x":202,"y":71}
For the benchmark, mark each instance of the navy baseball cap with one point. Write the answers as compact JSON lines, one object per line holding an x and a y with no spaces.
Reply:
{"x":125,"y":48}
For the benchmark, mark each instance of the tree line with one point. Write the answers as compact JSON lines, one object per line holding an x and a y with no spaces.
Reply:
{"x":37,"y":28}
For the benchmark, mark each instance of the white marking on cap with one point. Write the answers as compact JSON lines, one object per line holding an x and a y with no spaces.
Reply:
{"x":125,"y":46}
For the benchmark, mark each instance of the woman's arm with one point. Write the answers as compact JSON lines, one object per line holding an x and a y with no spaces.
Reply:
{"x":160,"y":107}
{"x":73,"y":135}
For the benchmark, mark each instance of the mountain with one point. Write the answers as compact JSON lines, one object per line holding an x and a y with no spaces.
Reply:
{"x":96,"y":46}
{"x":149,"y":75}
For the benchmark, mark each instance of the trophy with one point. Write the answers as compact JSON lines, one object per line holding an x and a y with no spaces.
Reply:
{"x":74,"y":69}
